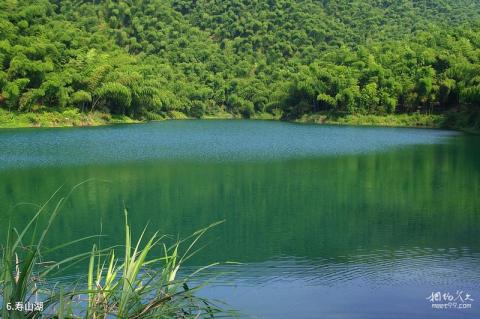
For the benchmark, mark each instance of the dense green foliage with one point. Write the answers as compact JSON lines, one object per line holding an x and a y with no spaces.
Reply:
{"x":149,"y":58}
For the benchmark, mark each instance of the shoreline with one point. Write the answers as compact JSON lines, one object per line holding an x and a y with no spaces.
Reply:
{"x":73,"y":118}
{"x":55,"y":119}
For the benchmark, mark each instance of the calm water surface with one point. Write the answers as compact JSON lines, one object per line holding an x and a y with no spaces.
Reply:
{"x":328,"y":222}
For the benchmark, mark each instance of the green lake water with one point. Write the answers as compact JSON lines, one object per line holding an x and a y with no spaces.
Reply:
{"x":326,"y":221}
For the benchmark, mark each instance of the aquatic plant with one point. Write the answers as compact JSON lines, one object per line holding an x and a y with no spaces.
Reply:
{"x":135,"y":286}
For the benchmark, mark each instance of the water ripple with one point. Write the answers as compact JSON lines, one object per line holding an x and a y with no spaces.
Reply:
{"x":200,"y":140}
{"x":376,"y":269}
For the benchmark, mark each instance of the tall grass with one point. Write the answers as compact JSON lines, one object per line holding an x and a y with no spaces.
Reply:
{"x":134,"y":286}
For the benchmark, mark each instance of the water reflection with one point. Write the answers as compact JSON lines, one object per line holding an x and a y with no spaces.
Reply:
{"x":357,"y":235}
{"x":368,"y":285}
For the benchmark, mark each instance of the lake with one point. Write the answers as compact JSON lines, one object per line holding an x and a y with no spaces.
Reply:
{"x":324,"y":221}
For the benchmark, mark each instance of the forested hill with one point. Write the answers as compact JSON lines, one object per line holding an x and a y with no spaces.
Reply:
{"x":150,"y":58}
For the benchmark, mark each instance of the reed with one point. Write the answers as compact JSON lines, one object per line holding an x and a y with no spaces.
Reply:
{"x":134,"y":286}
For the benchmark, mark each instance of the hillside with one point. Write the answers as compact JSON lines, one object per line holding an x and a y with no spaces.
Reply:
{"x":149,"y":59}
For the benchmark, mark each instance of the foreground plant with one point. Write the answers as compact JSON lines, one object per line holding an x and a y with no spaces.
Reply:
{"x":130,"y":287}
